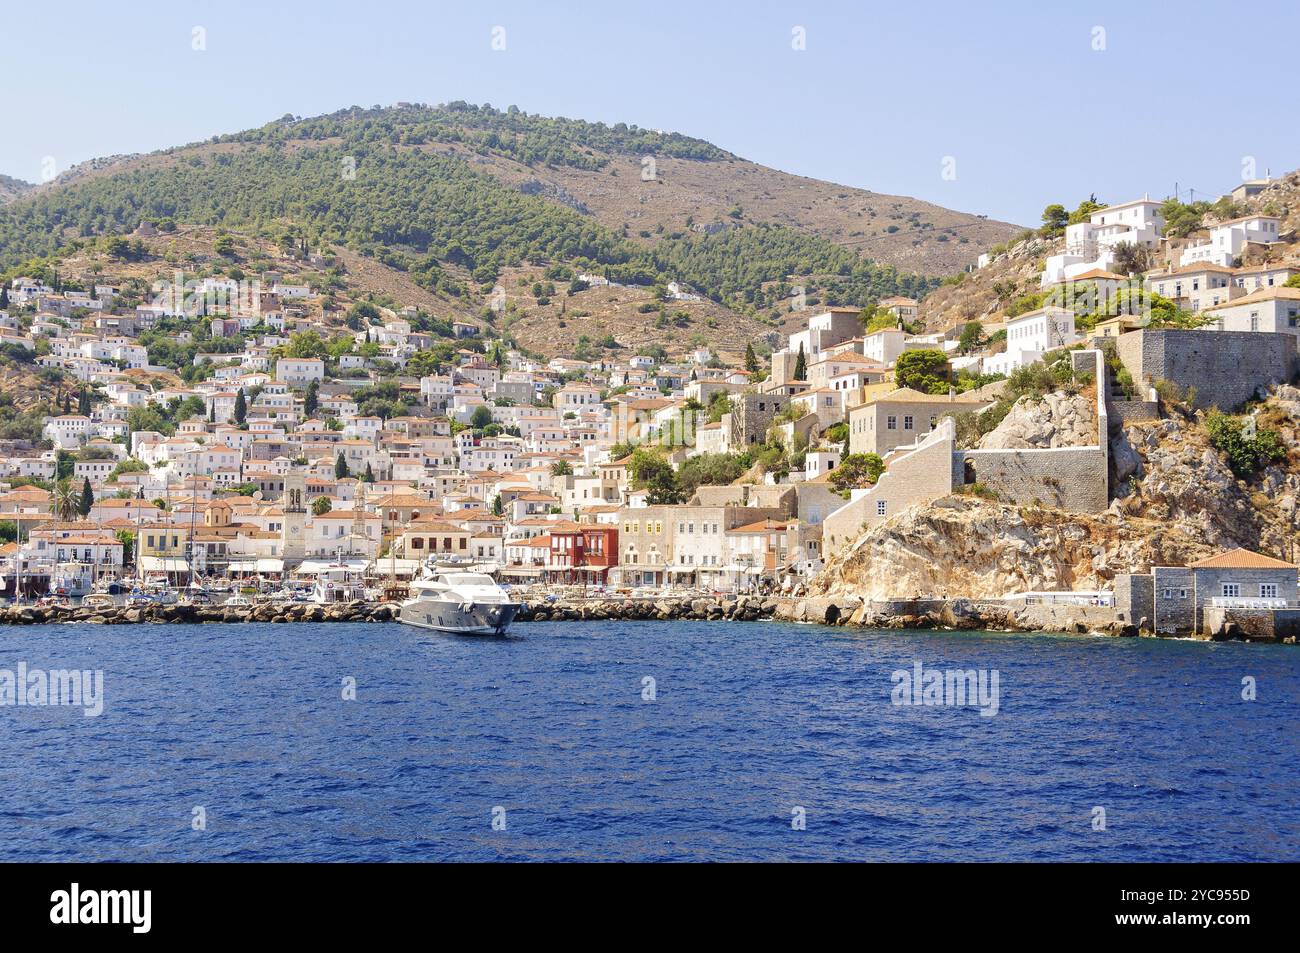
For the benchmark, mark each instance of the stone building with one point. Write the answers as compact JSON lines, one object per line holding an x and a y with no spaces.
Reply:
{"x":751,"y":416}
{"x":1226,"y":368}
{"x":1175,"y":599}
{"x":901,"y":417}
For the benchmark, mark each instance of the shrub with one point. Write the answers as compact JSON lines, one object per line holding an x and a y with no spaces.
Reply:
{"x":1246,"y":448}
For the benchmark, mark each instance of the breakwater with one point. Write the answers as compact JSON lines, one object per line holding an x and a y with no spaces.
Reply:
{"x":894,"y":614}
{"x":911,"y":614}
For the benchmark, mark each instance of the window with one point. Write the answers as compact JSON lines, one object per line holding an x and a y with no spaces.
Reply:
{"x":907,"y":422}
{"x":891,"y":422}
{"x":1168,"y":594}
{"x":880,"y":507}
{"x":1231,"y":590}
{"x":1268,"y":590}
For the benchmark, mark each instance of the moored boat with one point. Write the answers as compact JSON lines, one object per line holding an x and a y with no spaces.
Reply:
{"x":465,"y":603}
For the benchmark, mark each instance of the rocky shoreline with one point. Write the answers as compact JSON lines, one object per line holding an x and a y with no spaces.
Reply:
{"x":917,"y":614}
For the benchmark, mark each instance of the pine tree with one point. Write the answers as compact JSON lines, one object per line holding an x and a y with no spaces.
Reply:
{"x":241,"y":407}
{"x":67,"y":403}
{"x":341,"y":467}
{"x":370,"y":475}
{"x":83,"y":403}
{"x":4,"y":298}
{"x":311,"y":402}
{"x":801,"y":365}
{"x":87,"y":498}
{"x":751,"y":359}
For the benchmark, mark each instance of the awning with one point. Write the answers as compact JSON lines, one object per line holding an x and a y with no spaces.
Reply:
{"x":310,"y":567}
{"x":164,"y":564}
{"x":521,"y":571}
{"x":399,"y":567}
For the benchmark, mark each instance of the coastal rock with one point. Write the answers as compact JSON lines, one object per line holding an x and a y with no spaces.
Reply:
{"x":1054,"y":420}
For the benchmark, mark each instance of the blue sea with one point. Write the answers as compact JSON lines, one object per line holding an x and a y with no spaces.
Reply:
{"x":754,"y":741}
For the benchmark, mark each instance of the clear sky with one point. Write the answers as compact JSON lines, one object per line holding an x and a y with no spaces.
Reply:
{"x":1034,"y":102}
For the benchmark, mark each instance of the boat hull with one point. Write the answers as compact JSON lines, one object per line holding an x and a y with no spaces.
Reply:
{"x":484,"y":619}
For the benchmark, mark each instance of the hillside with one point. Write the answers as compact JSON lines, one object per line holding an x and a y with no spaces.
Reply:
{"x":11,"y":188}
{"x":1009,"y":284}
{"x":456,"y":197}
{"x":649,"y":184}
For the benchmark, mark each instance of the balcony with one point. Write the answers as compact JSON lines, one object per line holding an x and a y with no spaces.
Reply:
{"x":1242,"y":602}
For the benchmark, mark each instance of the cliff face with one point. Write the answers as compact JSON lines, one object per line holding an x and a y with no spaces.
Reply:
{"x":1175,"y":501}
{"x":1055,"y":420}
{"x":963,"y":546}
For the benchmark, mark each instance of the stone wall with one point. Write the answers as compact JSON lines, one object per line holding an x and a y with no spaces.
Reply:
{"x":1225,"y":367}
{"x":1264,"y":625}
{"x":913,"y":476}
{"x":1075,"y":479}
{"x":1134,"y":411}
{"x":751,"y":416}
{"x":1134,"y":597}
{"x":1066,"y":478}
{"x":1174,"y":598}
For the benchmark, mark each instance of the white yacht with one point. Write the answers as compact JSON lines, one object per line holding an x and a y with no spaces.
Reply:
{"x":467,"y":603}
{"x":339,"y":582}
{"x":73,"y":580}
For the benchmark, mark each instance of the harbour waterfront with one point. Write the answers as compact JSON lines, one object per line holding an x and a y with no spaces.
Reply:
{"x":556,"y":733}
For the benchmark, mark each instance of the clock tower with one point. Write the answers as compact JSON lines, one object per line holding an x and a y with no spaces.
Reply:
{"x":293,"y":532}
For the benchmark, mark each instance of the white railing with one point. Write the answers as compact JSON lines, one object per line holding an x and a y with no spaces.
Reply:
{"x":1236,"y":602}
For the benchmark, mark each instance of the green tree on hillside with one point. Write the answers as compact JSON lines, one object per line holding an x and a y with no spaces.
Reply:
{"x":1055,"y":218}
{"x":927,"y":371}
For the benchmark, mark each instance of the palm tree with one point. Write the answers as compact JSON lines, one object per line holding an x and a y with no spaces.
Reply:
{"x":66,"y":501}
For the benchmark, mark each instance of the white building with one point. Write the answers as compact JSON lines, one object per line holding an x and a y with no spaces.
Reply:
{"x":1269,"y":309}
{"x":1030,"y":336}
{"x":1229,"y":239}
{"x":67,"y":431}
{"x":1091,"y":245}
{"x":299,"y":370}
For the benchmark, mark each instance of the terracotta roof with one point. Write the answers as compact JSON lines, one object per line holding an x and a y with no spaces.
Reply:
{"x":1263,"y":294}
{"x":907,"y":395}
{"x":1094,"y":273}
{"x":1241,"y":559}
{"x":1192,"y":269}
{"x":762,"y":526}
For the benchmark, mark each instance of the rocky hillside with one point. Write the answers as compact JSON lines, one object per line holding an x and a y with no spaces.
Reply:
{"x":11,"y":188}
{"x":1176,"y":500}
{"x":460,"y":198}
{"x":1057,"y":419}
